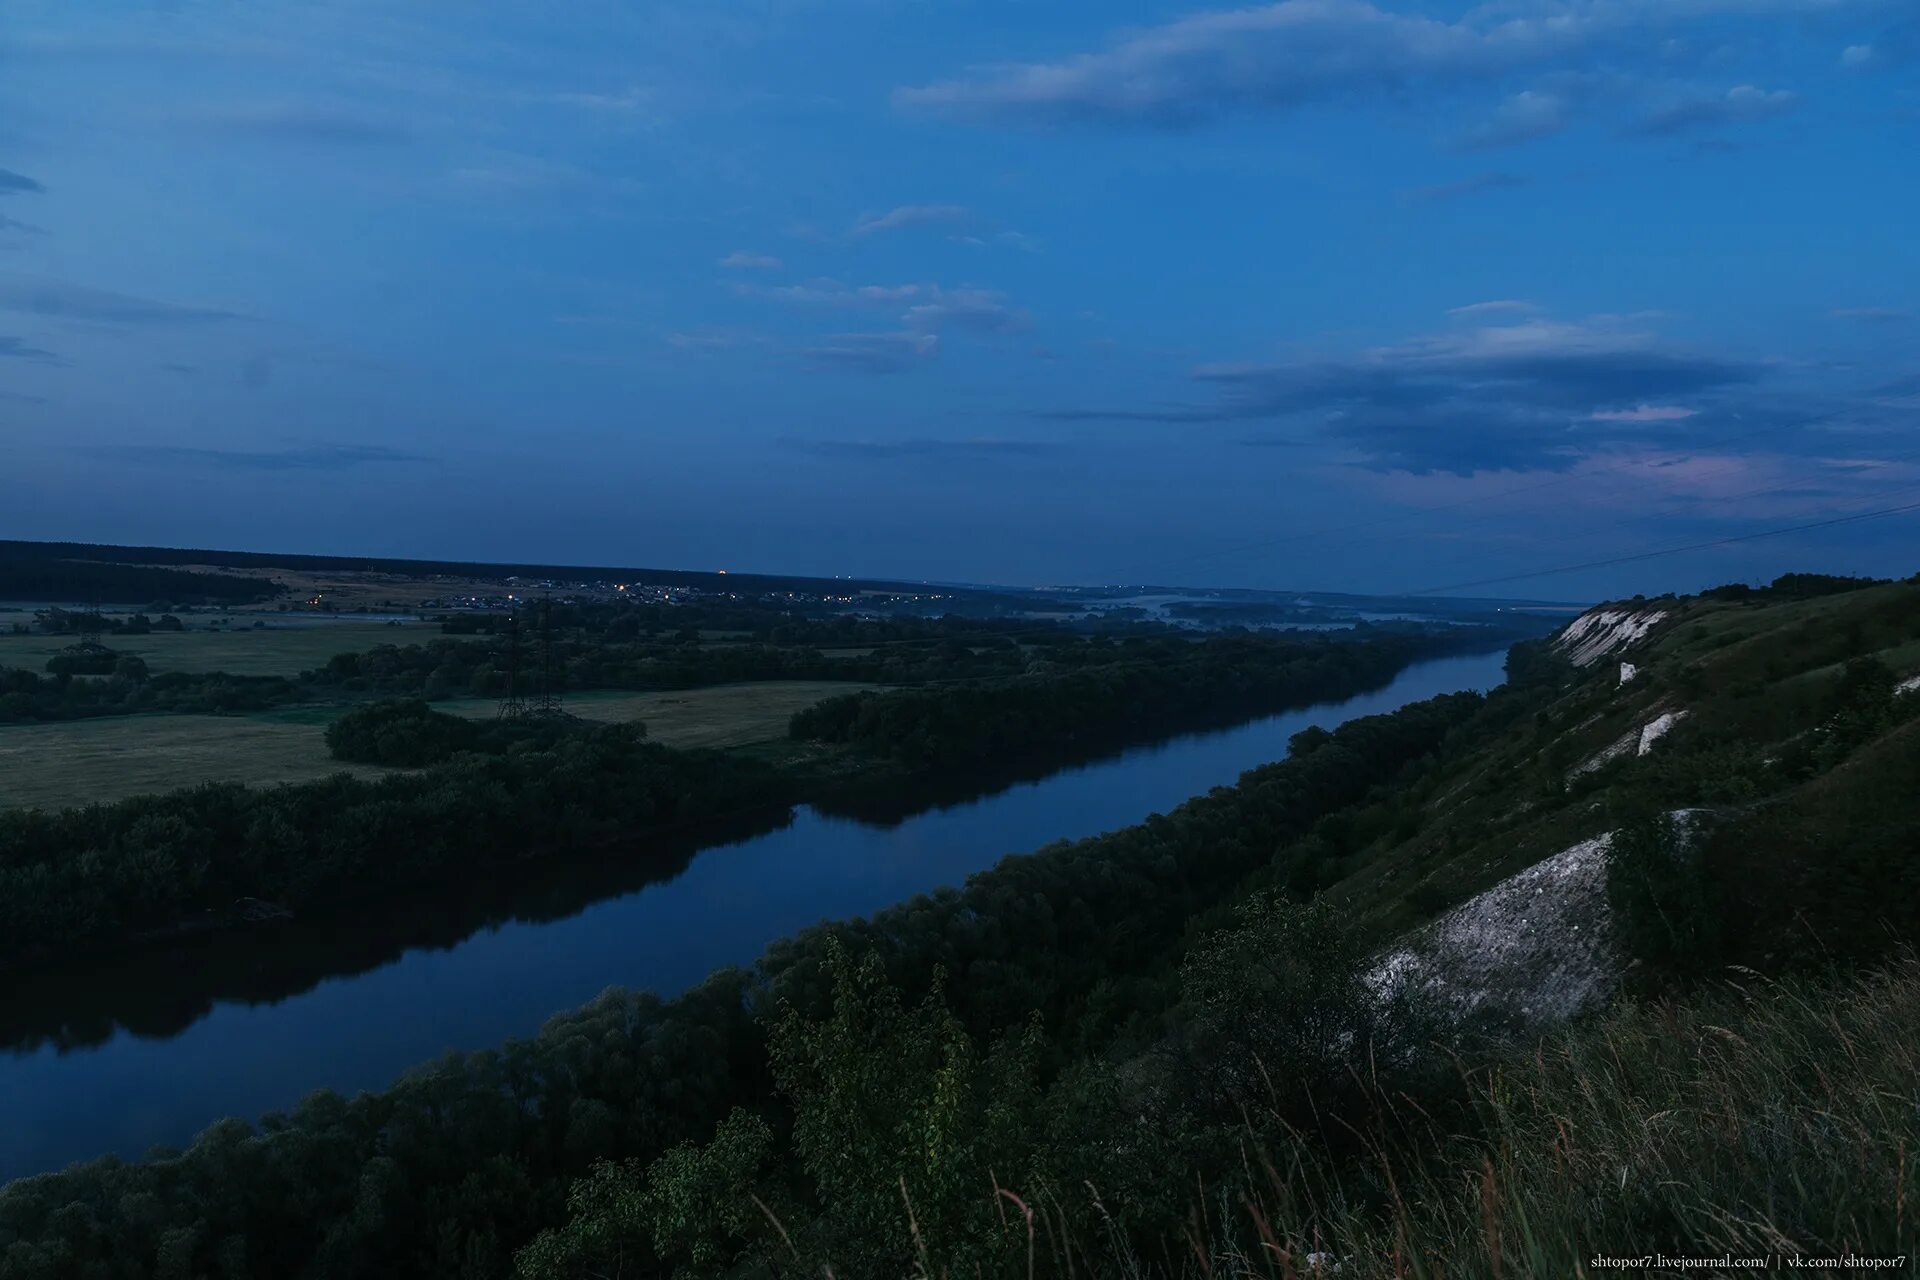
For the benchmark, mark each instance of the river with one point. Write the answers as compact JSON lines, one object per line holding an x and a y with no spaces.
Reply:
{"x":152,"y":1049}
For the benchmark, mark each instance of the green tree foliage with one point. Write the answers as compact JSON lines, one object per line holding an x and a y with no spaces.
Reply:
{"x":1273,"y":1014}
{"x":1144,"y":689}
{"x":29,"y":572}
{"x":474,"y":1155}
{"x":401,"y":733}
{"x":1665,"y":905}
{"x":897,"y":1121}
{"x":83,"y":660}
{"x":107,"y":874}
{"x":411,"y":734}
{"x":129,"y":687}
{"x":699,"y":1204}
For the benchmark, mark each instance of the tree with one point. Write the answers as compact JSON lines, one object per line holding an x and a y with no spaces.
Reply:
{"x":1666,"y":908}
{"x":897,"y":1118}
{"x":1273,"y":1009}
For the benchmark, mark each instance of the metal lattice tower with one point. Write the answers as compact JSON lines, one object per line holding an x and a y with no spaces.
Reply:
{"x":547,"y":701}
{"x":513,"y":705}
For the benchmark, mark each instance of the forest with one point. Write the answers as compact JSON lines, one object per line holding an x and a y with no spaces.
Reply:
{"x":1066,"y":699}
{"x":491,"y":791}
{"x":81,"y":880}
{"x":25,"y":575}
{"x":452,"y":1169}
{"x":1159,"y":1052}
{"x":125,"y":686}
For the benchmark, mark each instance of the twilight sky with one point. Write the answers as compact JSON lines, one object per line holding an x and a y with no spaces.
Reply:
{"x":1319,"y":294}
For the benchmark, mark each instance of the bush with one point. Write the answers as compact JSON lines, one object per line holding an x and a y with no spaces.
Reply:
{"x":406,"y":734}
{"x":1666,"y":908}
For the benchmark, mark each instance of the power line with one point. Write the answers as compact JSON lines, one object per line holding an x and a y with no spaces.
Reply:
{"x":1670,"y":551}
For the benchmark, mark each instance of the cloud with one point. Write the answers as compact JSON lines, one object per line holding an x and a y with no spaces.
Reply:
{"x":981,"y":310}
{"x":1495,"y":306}
{"x":14,"y":224}
{"x":1530,"y":114}
{"x":1466,"y":187}
{"x":826,"y":291}
{"x":886,"y":450}
{"x":1537,"y":394}
{"x":57,"y":300}
{"x":1873,"y":315}
{"x":1740,"y":105}
{"x":1283,"y":56}
{"x":508,"y":174}
{"x":1646,"y":413}
{"x":911,"y":215}
{"x":632,"y":101}
{"x":921,"y":307}
{"x":872,"y":352}
{"x":299,"y":123}
{"x":712,"y":341}
{"x":324,"y":457}
{"x":17,"y":349}
{"x":742,"y":260}
{"x":12,"y":183}
{"x":1895,"y":46}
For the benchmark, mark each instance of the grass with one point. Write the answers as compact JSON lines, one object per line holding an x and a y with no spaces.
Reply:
{"x":281,"y":648}
{"x":730,"y":715}
{"x":1757,"y":1119}
{"x":1762,"y":1119}
{"x":76,"y":762}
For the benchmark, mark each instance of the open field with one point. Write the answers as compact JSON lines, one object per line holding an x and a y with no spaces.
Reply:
{"x":74,"y":762}
{"x":283,"y":647}
{"x":728,"y":715}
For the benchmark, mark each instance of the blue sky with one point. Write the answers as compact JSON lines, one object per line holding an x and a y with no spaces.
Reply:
{"x":1318,"y":294}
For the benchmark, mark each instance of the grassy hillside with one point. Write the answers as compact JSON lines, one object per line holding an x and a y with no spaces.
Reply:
{"x":1771,"y":736}
{"x":1740,"y":805}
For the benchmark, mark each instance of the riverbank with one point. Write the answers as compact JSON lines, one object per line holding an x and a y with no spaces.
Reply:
{"x":126,"y":1055}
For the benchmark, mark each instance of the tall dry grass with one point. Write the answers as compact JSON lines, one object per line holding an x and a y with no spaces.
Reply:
{"x":1763,"y":1118}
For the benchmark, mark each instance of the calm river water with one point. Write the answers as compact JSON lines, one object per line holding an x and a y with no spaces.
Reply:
{"x":153,"y":1049}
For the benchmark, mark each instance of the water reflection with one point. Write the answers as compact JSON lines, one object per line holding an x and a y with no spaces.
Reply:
{"x":153,"y":1047}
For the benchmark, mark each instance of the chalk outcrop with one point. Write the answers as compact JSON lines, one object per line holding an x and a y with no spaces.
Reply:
{"x":1599,"y":632}
{"x":1657,"y":728}
{"x":1537,"y":947}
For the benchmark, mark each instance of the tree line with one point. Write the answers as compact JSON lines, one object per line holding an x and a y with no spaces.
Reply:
{"x":25,"y":575}
{"x":1147,"y":687}
{"x":124,"y":686}
{"x":102,"y":876}
{"x":461,"y":1163}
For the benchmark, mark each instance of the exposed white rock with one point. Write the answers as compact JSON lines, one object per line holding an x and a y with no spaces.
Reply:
{"x":1627,"y":672}
{"x":1537,"y":946}
{"x":1656,"y":729}
{"x":1910,"y":685}
{"x":1598,"y":632}
{"x":1607,"y":754}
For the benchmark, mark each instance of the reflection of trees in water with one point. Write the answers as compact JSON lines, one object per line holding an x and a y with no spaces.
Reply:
{"x":889,"y":802}
{"x":158,"y":992}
